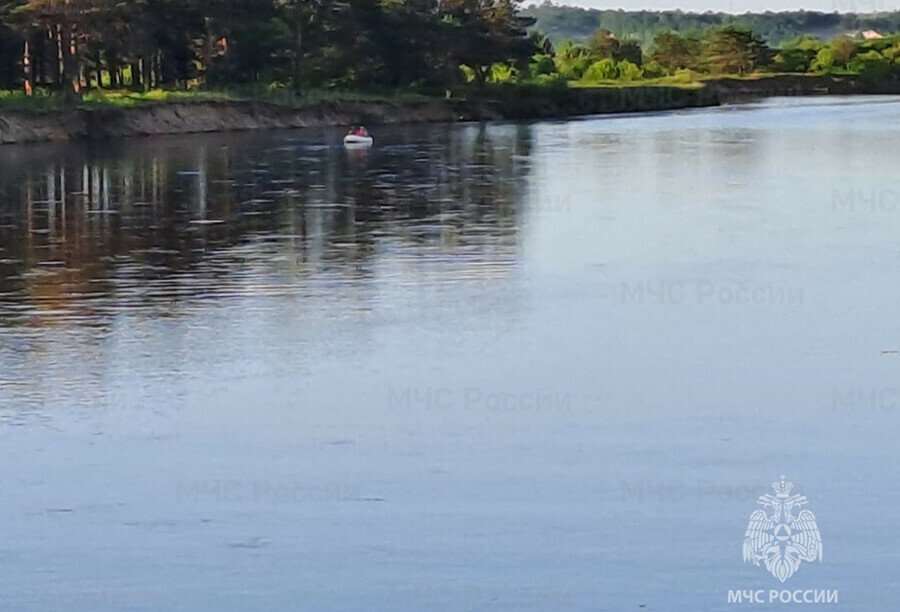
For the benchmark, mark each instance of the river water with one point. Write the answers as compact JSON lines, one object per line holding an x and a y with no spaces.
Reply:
{"x":544,"y":366}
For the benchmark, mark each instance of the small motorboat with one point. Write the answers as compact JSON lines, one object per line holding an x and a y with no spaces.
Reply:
{"x":353,"y":139}
{"x":358,"y":137}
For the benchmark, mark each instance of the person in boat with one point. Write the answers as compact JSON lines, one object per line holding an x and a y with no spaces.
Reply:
{"x":358,"y":130}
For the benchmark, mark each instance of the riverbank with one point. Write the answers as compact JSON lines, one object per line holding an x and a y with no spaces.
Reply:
{"x":737,"y":89}
{"x":186,"y":117}
{"x":98,"y":122}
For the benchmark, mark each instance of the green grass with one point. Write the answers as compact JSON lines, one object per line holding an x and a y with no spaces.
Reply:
{"x":758,"y":76}
{"x":105,"y":98}
{"x":658,"y":82}
{"x":124,"y":98}
{"x":697,"y":79}
{"x":43,"y":99}
{"x":287,"y":97}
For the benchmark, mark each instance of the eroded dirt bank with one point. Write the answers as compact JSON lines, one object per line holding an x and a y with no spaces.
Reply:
{"x":512,"y":103}
{"x":731,"y":90}
{"x":205,"y":116}
{"x":220,"y":116}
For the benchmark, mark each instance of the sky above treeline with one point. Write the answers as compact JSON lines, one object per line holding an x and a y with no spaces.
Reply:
{"x":740,"y":6}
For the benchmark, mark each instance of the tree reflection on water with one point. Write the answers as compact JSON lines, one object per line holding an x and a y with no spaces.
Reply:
{"x":89,"y":230}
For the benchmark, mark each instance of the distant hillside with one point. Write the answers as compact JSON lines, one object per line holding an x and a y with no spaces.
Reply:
{"x":577,"y":24}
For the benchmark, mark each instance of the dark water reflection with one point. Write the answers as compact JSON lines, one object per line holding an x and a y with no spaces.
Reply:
{"x":153,"y":224}
{"x":99,"y":244}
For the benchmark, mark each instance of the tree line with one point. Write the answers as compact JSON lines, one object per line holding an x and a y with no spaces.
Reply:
{"x":723,"y":50}
{"x":563,"y":23}
{"x":70,"y":46}
{"x":74,"y":45}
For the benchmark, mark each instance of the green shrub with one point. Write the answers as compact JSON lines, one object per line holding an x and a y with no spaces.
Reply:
{"x":794,"y":60}
{"x":629,"y":71}
{"x":652,"y":70}
{"x":602,"y":70}
{"x":502,"y":73}
{"x":543,"y":64}
{"x":871,"y":65}
{"x":683,"y":75}
{"x":824,"y":61}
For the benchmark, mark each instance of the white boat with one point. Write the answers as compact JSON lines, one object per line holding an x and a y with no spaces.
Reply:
{"x":358,"y":141}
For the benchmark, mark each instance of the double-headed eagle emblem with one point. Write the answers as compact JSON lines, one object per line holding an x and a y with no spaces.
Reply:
{"x":781,"y":535}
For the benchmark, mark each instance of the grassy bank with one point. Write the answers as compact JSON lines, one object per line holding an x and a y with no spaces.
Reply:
{"x":560,"y":99}
{"x":123,"y":98}
{"x":508,"y":100}
{"x":124,"y":114}
{"x":113,"y":114}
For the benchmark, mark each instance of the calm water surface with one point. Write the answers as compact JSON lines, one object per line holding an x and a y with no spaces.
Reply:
{"x":505,"y":367}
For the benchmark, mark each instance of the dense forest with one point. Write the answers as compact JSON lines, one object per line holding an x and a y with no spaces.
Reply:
{"x":73,"y":45}
{"x":63,"y":49}
{"x":563,"y":23}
